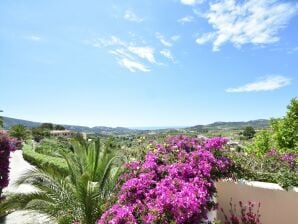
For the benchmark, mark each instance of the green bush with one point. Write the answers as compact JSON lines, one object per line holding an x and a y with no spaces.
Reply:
{"x":283,"y":134}
{"x":266,"y":169}
{"x":53,"y":146}
{"x":41,"y":160}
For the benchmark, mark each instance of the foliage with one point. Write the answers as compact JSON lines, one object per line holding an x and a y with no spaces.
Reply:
{"x":78,"y":198}
{"x":261,"y":144}
{"x":285,"y":130}
{"x":53,"y":146}
{"x":59,"y":127}
{"x":283,"y":134}
{"x":1,"y":120}
{"x":273,"y":167}
{"x":174,"y":184}
{"x":39,"y":133}
{"x":48,"y":126}
{"x":7,"y":145}
{"x":41,"y":160}
{"x":247,"y":214}
{"x":249,"y":132}
{"x":19,"y":132}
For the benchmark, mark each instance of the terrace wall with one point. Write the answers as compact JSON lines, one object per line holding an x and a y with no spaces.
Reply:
{"x":277,"y":205}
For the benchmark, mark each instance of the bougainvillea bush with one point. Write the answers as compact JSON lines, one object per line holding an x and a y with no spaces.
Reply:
{"x":273,"y":167}
{"x":175,"y":183}
{"x":7,"y":145}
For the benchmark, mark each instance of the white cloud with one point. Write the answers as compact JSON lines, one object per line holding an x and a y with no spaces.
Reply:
{"x":191,"y":2}
{"x":247,"y":22}
{"x":205,"y":38}
{"x":106,"y":42}
{"x":263,"y":84}
{"x":133,"y":66}
{"x":131,"y":16}
{"x":143,"y":52}
{"x":167,"y":42}
{"x":167,"y":53}
{"x":185,"y":19}
{"x":128,"y":54}
{"x":34,"y":38}
{"x":163,"y":40}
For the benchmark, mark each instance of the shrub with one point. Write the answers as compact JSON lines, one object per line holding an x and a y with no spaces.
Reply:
{"x":175,"y":183}
{"x":272,"y":167}
{"x":7,"y":145}
{"x":41,"y":160}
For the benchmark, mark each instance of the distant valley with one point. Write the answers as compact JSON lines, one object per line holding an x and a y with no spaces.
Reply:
{"x":257,"y":124}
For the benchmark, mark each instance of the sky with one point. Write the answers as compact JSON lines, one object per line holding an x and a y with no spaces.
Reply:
{"x":147,"y":63}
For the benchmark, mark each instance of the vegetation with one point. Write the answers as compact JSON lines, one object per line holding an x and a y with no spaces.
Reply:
{"x":19,"y":132}
{"x":283,"y":134}
{"x":249,"y":132}
{"x":1,"y":120}
{"x":7,"y":145}
{"x":92,"y":172}
{"x":41,"y":160}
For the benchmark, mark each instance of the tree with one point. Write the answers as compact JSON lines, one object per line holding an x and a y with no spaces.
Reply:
{"x":285,"y":130}
{"x":79,"y":197}
{"x":39,"y":133}
{"x":283,"y":133}
{"x":249,"y":132}
{"x":59,"y":127}
{"x":1,"y":120}
{"x":48,"y":126}
{"x":19,"y":132}
{"x":261,"y":144}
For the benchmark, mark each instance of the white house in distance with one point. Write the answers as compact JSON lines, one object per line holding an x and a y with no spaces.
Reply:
{"x":66,"y":133}
{"x":62,"y":133}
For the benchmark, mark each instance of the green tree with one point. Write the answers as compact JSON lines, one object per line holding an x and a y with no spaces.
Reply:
{"x":285,"y":130}
{"x":59,"y":127}
{"x":261,"y":144}
{"x":19,"y":132}
{"x":81,"y":196}
{"x":249,"y":132}
{"x":39,"y":133}
{"x":283,"y":133}
{"x":1,"y":120}
{"x":48,"y":126}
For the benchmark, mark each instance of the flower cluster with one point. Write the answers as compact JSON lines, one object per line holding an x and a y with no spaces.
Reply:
{"x":175,"y":183}
{"x":7,"y":145}
{"x":289,"y":157}
{"x":248,"y":215}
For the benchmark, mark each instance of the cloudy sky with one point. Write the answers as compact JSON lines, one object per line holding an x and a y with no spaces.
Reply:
{"x":147,"y":63}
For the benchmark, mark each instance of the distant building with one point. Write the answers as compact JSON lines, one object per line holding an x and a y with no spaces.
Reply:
{"x":62,"y":133}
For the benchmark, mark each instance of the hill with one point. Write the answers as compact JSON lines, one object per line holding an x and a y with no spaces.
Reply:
{"x":8,"y":122}
{"x":257,"y":124}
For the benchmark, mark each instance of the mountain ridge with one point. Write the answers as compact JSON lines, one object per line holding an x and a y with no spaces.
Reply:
{"x":259,"y":123}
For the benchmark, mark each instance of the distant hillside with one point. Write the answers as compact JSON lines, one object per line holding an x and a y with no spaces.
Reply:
{"x":262,"y":123}
{"x":8,"y":122}
{"x":257,"y":124}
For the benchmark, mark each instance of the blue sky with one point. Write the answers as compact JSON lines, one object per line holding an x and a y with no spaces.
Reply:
{"x":147,"y":63}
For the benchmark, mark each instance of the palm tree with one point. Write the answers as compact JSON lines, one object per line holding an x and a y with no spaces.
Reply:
{"x":1,"y":120}
{"x":81,"y":195}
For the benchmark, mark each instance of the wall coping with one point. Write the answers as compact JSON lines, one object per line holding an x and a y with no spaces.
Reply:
{"x":265,"y":185}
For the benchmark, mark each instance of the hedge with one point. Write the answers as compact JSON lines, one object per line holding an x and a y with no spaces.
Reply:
{"x":41,"y":160}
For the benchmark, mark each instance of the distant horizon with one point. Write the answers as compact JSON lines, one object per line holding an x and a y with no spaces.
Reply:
{"x":143,"y":127}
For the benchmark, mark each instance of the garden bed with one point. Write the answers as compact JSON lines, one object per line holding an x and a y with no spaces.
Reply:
{"x":277,"y":205}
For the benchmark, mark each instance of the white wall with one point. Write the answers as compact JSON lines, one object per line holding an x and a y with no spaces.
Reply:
{"x":277,"y":206}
